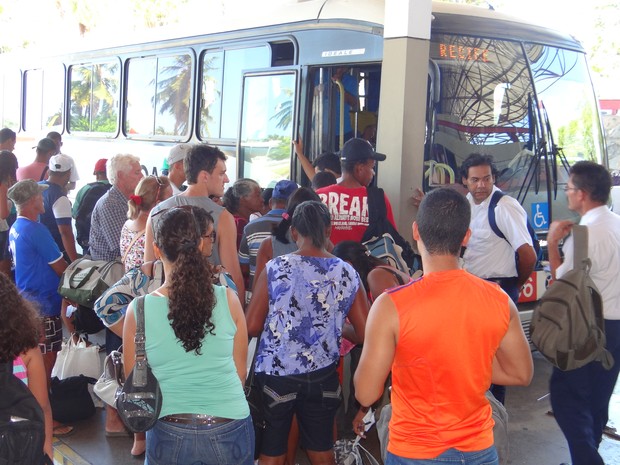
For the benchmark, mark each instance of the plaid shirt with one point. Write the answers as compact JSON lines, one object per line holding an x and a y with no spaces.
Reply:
{"x":109,"y":216}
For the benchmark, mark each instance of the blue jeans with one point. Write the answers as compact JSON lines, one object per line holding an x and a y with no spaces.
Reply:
{"x":176,"y":444}
{"x":451,"y":456}
{"x":580,"y":401}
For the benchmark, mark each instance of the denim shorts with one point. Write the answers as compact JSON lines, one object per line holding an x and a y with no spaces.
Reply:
{"x":227,"y":444}
{"x":451,"y":456}
{"x":313,"y":397}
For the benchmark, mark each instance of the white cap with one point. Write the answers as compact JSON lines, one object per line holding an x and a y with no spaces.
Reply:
{"x":178,"y":153}
{"x":60,"y":163}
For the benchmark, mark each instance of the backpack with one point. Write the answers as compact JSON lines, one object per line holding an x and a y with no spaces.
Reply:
{"x":382,"y":239}
{"x":85,"y":211}
{"x":567,"y":325}
{"x":497,"y":195}
{"x":22,"y":424}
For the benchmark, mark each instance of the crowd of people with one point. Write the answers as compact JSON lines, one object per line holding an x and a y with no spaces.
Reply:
{"x":286,"y":265}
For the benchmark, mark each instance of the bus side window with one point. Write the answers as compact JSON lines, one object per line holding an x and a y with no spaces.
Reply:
{"x":44,"y":99}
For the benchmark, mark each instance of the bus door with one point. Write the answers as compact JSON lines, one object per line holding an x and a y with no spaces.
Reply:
{"x":344,"y":103}
{"x":268,"y":113}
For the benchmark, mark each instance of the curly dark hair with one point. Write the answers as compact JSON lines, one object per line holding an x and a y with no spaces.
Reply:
{"x":359,"y":257}
{"x":191,"y":303}
{"x":21,"y":324}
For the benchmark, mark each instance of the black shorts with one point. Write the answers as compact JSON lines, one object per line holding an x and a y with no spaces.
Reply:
{"x":51,"y":340}
{"x":313,"y":397}
{"x":5,"y":253}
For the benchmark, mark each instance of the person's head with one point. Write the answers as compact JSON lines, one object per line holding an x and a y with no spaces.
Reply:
{"x":21,"y":325}
{"x":206,"y":164}
{"x":149,"y":192}
{"x":359,"y":257}
{"x":267,"y":194}
{"x":243,"y":198}
{"x":60,"y":167}
{"x":323,"y":179}
{"x":328,"y":161}
{"x":125,"y":172}
{"x":176,"y":159}
{"x":57,"y":138}
{"x":8,"y":167}
{"x":178,"y":236}
{"x":100,"y":170}
{"x":442,"y":222}
{"x":281,"y":192}
{"x":478,"y":176}
{"x":301,"y":195}
{"x":27,"y":197}
{"x":589,"y":183}
{"x":311,"y":220}
{"x":45,"y":149}
{"x":358,"y":160}
{"x":8,"y":139}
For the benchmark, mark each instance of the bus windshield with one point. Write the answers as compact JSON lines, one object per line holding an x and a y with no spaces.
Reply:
{"x":509,"y":100}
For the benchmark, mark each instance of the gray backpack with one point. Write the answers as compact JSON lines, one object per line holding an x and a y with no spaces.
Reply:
{"x":567,"y":326}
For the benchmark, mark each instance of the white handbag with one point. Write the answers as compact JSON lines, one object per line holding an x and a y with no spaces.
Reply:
{"x":110,"y":382}
{"x":76,"y":358}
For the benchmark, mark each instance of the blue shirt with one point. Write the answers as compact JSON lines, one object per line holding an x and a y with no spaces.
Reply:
{"x":309,"y":299}
{"x":49,"y":218}
{"x":34,"y":250}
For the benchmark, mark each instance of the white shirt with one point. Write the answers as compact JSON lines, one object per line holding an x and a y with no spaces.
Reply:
{"x":604,"y":253}
{"x":488,"y":255}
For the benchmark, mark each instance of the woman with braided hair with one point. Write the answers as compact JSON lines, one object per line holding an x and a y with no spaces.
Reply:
{"x":196,"y":345}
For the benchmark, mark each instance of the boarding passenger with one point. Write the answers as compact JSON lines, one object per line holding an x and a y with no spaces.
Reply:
{"x":37,"y":170}
{"x":323,"y":179}
{"x":57,"y":138}
{"x":176,"y":171}
{"x":348,"y":200}
{"x":443,"y":352}
{"x":326,"y":162}
{"x":259,"y":229}
{"x":580,"y":398}
{"x":8,"y":167}
{"x":298,"y":307}
{"x":8,"y":139}
{"x":196,"y":344}
{"x":108,"y":218}
{"x":205,"y":169}
{"x":149,"y":192}
{"x":85,"y":202}
{"x":20,"y":334}
{"x":57,"y":215}
{"x":242,"y":199}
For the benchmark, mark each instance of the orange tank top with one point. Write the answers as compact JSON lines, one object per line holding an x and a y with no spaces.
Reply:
{"x":450,"y":326}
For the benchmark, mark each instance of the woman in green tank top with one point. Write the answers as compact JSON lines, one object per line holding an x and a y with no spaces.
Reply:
{"x":196,"y":345}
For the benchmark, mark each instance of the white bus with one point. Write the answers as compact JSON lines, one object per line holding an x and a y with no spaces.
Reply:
{"x":496,"y":85}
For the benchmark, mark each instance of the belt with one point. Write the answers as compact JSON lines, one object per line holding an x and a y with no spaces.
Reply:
{"x":195,"y":419}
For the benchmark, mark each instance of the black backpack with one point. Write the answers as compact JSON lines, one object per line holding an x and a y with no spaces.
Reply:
{"x":497,"y":195}
{"x":22,"y":424}
{"x":85,"y":211}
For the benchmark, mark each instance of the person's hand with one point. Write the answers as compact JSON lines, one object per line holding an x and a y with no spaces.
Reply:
{"x":359,"y":427}
{"x":416,"y":198}
{"x":299,"y":146}
{"x":558,"y":230}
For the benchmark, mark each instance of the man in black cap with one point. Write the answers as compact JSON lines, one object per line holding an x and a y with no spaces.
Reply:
{"x":37,"y":170}
{"x":348,"y":200}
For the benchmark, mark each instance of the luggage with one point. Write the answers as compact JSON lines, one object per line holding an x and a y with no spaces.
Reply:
{"x":85,"y":279}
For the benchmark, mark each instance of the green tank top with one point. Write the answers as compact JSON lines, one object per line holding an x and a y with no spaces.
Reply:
{"x":190,"y":383}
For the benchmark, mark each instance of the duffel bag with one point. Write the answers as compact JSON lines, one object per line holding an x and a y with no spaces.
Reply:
{"x":85,"y":279}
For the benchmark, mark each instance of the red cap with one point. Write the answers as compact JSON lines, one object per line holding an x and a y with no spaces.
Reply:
{"x":100,"y":166}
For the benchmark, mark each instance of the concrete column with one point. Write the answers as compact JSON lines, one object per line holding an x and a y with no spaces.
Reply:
{"x":401,"y":126}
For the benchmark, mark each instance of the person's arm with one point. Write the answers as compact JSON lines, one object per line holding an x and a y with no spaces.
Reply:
{"x":37,"y":383}
{"x":358,"y":314}
{"x":149,"y":255}
{"x":240,"y":341}
{"x":305,"y":163}
{"x":526,"y":263}
{"x":4,"y":205}
{"x":512,"y":364}
{"x":227,"y":247}
{"x":378,"y":352}
{"x":558,"y":230}
{"x":60,"y":265}
{"x":256,"y":313}
{"x":68,"y":240}
{"x":265,"y":253}
{"x":129,"y":345}
{"x":244,"y":256}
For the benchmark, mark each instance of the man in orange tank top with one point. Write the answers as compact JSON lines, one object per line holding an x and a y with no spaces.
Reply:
{"x":446,"y":337}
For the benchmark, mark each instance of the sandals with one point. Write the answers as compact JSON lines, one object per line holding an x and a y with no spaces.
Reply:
{"x":62,"y":431}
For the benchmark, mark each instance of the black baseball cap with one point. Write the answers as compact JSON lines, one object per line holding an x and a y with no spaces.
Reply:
{"x":359,"y":149}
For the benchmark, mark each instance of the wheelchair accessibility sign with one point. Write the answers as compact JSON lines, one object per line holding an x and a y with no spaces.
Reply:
{"x":540,"y":215}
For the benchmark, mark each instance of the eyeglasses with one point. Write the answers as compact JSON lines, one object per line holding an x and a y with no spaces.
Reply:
{"x":210,"y":236}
